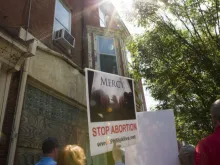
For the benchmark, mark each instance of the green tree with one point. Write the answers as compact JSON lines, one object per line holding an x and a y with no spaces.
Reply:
{"x":178,"y":55}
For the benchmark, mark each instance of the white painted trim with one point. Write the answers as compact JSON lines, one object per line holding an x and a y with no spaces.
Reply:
{"x":96,"y":38}
{"x":117,"y":50}
{"x":25,"y":51}
{"x":5,"y":98}
{"x":102,"y":30}
{"x":17,"y":45}
{"x":124,"y":57}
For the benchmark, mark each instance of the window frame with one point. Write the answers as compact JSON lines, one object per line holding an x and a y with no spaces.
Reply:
{"x":99,"y":53}
{"x":100,"y":20}
{"x":70,"y":16}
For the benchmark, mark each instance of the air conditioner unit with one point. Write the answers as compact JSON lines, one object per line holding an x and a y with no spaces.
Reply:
{"x":64,"y":38}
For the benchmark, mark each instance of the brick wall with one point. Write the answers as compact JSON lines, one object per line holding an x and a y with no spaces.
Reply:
{"x":42,"y":20}
{"x":92,"y":13}
{"x":14,"y":14}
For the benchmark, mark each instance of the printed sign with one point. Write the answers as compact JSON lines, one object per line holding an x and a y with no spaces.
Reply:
{"x":111,"y":111}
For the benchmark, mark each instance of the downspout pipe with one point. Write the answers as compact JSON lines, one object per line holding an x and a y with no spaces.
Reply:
{"x":22,"y":85}
{"x":28,"y":19}
{"x":20,"y":98}
{"x":84,"y":38}
{"x":16,"y":124}
{"x":5,"y":98}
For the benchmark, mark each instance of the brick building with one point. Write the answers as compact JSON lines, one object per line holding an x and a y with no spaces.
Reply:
{"x":44,"y":48}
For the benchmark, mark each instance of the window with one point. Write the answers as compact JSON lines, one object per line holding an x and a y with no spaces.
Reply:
{"x":107,"y":55}
{"x":102,"y":18}
{"x":62,"y":17}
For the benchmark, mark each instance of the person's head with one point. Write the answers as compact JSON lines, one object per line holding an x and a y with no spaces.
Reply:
{"x":50,"y":147}
{"x":186,"y":155}
{"x":215,"y":112}
{"x":71,"y":155}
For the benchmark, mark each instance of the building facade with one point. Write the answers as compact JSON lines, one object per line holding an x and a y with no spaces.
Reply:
{"x":44,"y":48}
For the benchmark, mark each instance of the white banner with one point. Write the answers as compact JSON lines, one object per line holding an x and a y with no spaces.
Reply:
{"x":157,"y":140}
{"x":111,"y":111}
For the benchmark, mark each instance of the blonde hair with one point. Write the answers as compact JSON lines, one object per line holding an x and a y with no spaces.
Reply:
{"x":71,"y":155}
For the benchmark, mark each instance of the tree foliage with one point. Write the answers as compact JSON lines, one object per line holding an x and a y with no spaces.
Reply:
{"x":179,"y":57}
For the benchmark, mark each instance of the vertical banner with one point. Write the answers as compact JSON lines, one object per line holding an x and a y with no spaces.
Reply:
{"x":111,"y":111}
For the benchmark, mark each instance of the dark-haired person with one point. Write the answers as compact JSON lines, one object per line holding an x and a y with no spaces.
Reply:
{"x":50,"y":152}
{"x":208,"y":149}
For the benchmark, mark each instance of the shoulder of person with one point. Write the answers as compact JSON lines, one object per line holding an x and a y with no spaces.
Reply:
{"x":53,"y":163}
{"x":205,"y":142}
